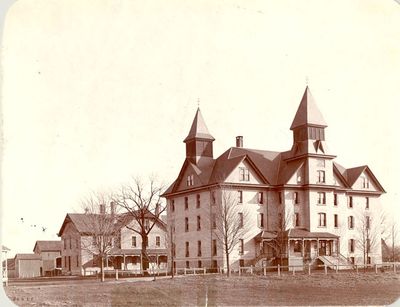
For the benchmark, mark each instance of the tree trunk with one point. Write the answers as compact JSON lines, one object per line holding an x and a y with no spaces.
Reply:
{"x":228,"y":273}
{"x":145,"y":260}
{"x":102,"y":269}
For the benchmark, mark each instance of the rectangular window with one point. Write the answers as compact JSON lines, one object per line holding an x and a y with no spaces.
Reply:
{"x":296,"y":219}
{"x":351,"y":222}
{"x":260,"y":197}
{"x":365,"y":183}
{"x":335,"y":220}
{"x":241,"y":223}
{"x":322,"y":219}
{"x":173,"y":205}
{"x":352,"y":260}
{"x":241,"y":246}
{"x":366,"y":202}
{"x":321,"y":176}
{"x":335,"y":200}
{"x":186,"y":203}
{"x":198,"y":201}
{"x":77,"y":243}
{"x":244,"y":174}
{"x":321,"y":198}
{"x":77,"y":260}
{"x":70,"y":243}
{"x":158,"y":241}
{"x":190,"y":180}
{"x":296,"y":197}
{"x":214,"y":247}
{"x":199,"y":264}
{"x":199,"y":248}
{"x":280,"y":197}
{"x":351,"y":245}
{"x":213,"y":221}
{"x":350,"y":201}
{"x":65,"y":243}
{"x":198,"y":222}
{"x":260,"y":220}
{"x":186,"y":249}
{"x":213,"y":198}
{"x":133,"y":241}
{"x":240,"y":197}
{"x":367,"y":222}
{"x":186,"y":224}
{"x":187,"y":265}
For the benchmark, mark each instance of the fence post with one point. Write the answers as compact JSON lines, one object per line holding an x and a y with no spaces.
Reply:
{"x":265,"y":271}
{"x":326,"y":269}
{"x":376,"y":268}
{"x":116,"y":274}
{"x":309,"y":269}
{"x":240,"y":270}
{"x":251,"y":270}
{"x":279,"y":270}
{"x":337,"y":267}
{"x":204,"y":271}
{"x":184,"y":271}
{"x":294,"y":271}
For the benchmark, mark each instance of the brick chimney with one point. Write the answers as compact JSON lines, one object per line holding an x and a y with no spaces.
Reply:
{"x":102,"y":208}
{"x":239,"y":141}
{"x":112,"y":207}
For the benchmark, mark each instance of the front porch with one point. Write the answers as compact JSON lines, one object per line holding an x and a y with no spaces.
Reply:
{"x":297,"y":247}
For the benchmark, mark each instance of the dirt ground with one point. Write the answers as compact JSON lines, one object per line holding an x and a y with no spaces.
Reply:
{"x":217,"y":290}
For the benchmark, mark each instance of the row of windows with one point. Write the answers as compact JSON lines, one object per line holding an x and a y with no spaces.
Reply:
{"x":68,"y":243}
{"x":157,"y":241}
{"x":214,"y":249}
{"x":244,"y":175}
{"x":350,"y":221}
{"x":352,"y":245}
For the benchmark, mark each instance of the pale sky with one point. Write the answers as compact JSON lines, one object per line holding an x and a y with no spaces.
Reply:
{"x":95,"y":92}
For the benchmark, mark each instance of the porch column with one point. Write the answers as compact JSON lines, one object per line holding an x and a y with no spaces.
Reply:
{"x":124,"y":267}
{"x":288,"y":249}
{"x":302,"y":247}
{"x":337,"y":247}
{"x":317,"y":247}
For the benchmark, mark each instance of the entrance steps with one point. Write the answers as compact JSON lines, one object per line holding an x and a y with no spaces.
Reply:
{"x":332,"y":261}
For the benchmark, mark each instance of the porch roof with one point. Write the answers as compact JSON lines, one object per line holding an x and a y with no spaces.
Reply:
{"x":295,"y":233}
{"x":302,"y":233}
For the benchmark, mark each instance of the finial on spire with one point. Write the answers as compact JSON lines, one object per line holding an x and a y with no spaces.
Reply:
{"x":198,"y":103}
{"x":307,"y":81}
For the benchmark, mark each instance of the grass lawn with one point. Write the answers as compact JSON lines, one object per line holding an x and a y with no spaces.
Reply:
{"x":217,"y":290}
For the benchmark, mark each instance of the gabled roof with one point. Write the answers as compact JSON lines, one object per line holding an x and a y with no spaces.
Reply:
{"x":27,"y":257}
{"x":199,"y":128}
{"x":354,"y":173}
{"x":45,"y":246}
{"x":302,"y":233}
{"x":308,"y":112}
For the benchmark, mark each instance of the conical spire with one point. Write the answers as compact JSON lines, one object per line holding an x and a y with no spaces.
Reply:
{"x":308,"y":113}
{"x":199,"y":129}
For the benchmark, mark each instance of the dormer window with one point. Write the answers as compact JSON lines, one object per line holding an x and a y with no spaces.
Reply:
{"x":244,"y":174}
{"x":190,"y":180}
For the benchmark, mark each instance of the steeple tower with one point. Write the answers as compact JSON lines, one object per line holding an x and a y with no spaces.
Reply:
{"x":308,"y":128}
{"x":199,"y":140}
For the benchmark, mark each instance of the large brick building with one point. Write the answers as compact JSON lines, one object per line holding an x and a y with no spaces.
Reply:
{"x":325,"y":213}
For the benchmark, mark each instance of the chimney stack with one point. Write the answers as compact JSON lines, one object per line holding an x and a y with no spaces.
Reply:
{"x":239,"y":141}
{"x":102,"y":208}
{"x":112,"y":207}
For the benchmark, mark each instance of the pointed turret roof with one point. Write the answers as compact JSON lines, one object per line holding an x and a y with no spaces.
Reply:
{"x":199,"y":129}
{"x":308,"y":112}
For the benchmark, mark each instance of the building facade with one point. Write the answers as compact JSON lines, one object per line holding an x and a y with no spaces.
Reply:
{"x":301,"y":206}
{"x":50,"y":253}
{"x":80,"y":253}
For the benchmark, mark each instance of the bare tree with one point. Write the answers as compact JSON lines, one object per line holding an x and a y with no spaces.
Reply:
{"x":142,"y":201}
{"x":368,"y":234}
{"x":230,"y":222}
{"x":279,"y":243}
{"x":100,"y":223}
